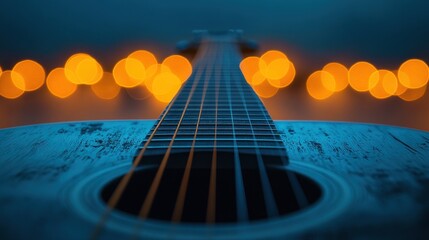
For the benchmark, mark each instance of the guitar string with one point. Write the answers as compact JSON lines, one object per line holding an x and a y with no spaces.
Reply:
{"x":147,"y":203}
{"x":296,"y":186}
{"x":241,"y":203}
{"x":180,"y":200}
{"x":202,"y":68}
{"x":119,"y":190}
{"x":211,"y":202}
{"x":270,"y":203}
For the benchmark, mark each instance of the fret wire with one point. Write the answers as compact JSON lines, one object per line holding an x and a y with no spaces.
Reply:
{"x":273,"y":129}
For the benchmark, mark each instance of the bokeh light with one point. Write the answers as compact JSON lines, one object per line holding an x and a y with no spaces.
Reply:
{"x":31,"y":72}
{"x":121,"y":76}
{"x":401,"y":88}
{"x":165,"y":86}
{"x":106,"y":88}
{"x":383,"y":84}
{"x":287,"y":79}
{"x":81,"y":68}
{"x":359,"y":75}
{"x":135,"y":69}
{"x":58,"y":83}
{"x":340,"y":74}
{"x":413,"y":73}
{"x":413,"y":94}
{"x":321,"y":85}
{"x":268,"y":73}
{"x":159,"y":68}
{"x":144,"y":58}
{"x":179,"y":65}
{"x":249,"y":66}
{"x":265,"y":89}
{"x":11,"y":84}
{"x":257,"y":79}
{"x":273,"y":64}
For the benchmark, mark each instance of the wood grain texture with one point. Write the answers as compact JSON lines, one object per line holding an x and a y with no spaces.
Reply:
{"x":388,"y":168}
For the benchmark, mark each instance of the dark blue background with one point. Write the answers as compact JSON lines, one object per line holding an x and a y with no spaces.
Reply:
{"x":312,"y":32}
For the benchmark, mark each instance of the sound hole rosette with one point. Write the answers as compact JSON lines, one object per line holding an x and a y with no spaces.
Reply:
{"x":84,"y":199}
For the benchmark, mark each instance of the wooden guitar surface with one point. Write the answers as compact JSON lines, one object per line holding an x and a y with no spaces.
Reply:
{"x":380,"y":177}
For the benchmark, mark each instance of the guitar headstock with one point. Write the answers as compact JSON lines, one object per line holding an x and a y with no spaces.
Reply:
{"x":190,"y":47}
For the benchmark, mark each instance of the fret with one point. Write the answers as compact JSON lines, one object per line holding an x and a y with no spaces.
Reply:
{"x":224,"y":136}
{"x":220,"y":146}
{"x":238,"y":131}
{"x":237,"y":120}
{"x":218,"y":138}
{"x":209,"y":122}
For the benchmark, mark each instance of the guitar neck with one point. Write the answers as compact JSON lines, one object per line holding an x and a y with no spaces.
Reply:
{"x":216,"y":109}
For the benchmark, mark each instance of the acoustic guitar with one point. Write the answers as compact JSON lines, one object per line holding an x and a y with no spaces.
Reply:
{"x":214,"y":165}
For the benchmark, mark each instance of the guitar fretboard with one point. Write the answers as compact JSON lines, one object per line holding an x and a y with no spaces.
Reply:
{"x":216,"y":110}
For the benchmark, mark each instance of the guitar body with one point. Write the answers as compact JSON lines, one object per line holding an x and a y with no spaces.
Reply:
{"x":374,"y":183}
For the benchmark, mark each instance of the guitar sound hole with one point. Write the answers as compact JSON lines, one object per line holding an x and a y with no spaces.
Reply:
{"x":291,"y":192}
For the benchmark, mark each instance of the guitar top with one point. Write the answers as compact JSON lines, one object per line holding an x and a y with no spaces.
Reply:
{"x":381,"y":179}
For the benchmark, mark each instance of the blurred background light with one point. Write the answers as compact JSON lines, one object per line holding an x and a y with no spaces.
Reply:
{"x":11,"y":84}
{"x":340,"y":74}
{"x":321,"y":85}
{"x":359,"y":75}
{"x":383,"y":84}
{"x":165,"y":86}
{"x":58,"y":83}
{"x":265,"y":89}
{"x":121,"y":76}
{"x":413,"y":73}
{"x":31,"y":72}
{"x":81,"y":68}
{"x":106,"y":88}
{"x":178,"y":65}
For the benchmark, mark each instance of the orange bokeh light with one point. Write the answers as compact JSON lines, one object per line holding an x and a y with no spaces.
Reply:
{"x":249,"y":66}
{"x":257,"y":79}
{"x":267,"y":74}
{"x":359,"y":75}
{"x":383,"y":84}
{"x":413,"y":73}
{"x":413,"y":94}
{"x":265,"y":89}
{"x":81,"y":68}
{"x":138,"y":60}
{"x":106,"y":88}
{"x":135,"y":69}
{"x":274,"y":64}
{"x":340,"y":74}
{"x":58,"y":83}
{"x":321,"y":85}
{"x":178,"y":65}
{"x":160,"y":68}
{"x":401,"y":88}
{"x":287,"y":79}
{"x":165,"y":86}
{"x":122,"y":78}
{"x":11,"y":84}
{"x":32,"y":73}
